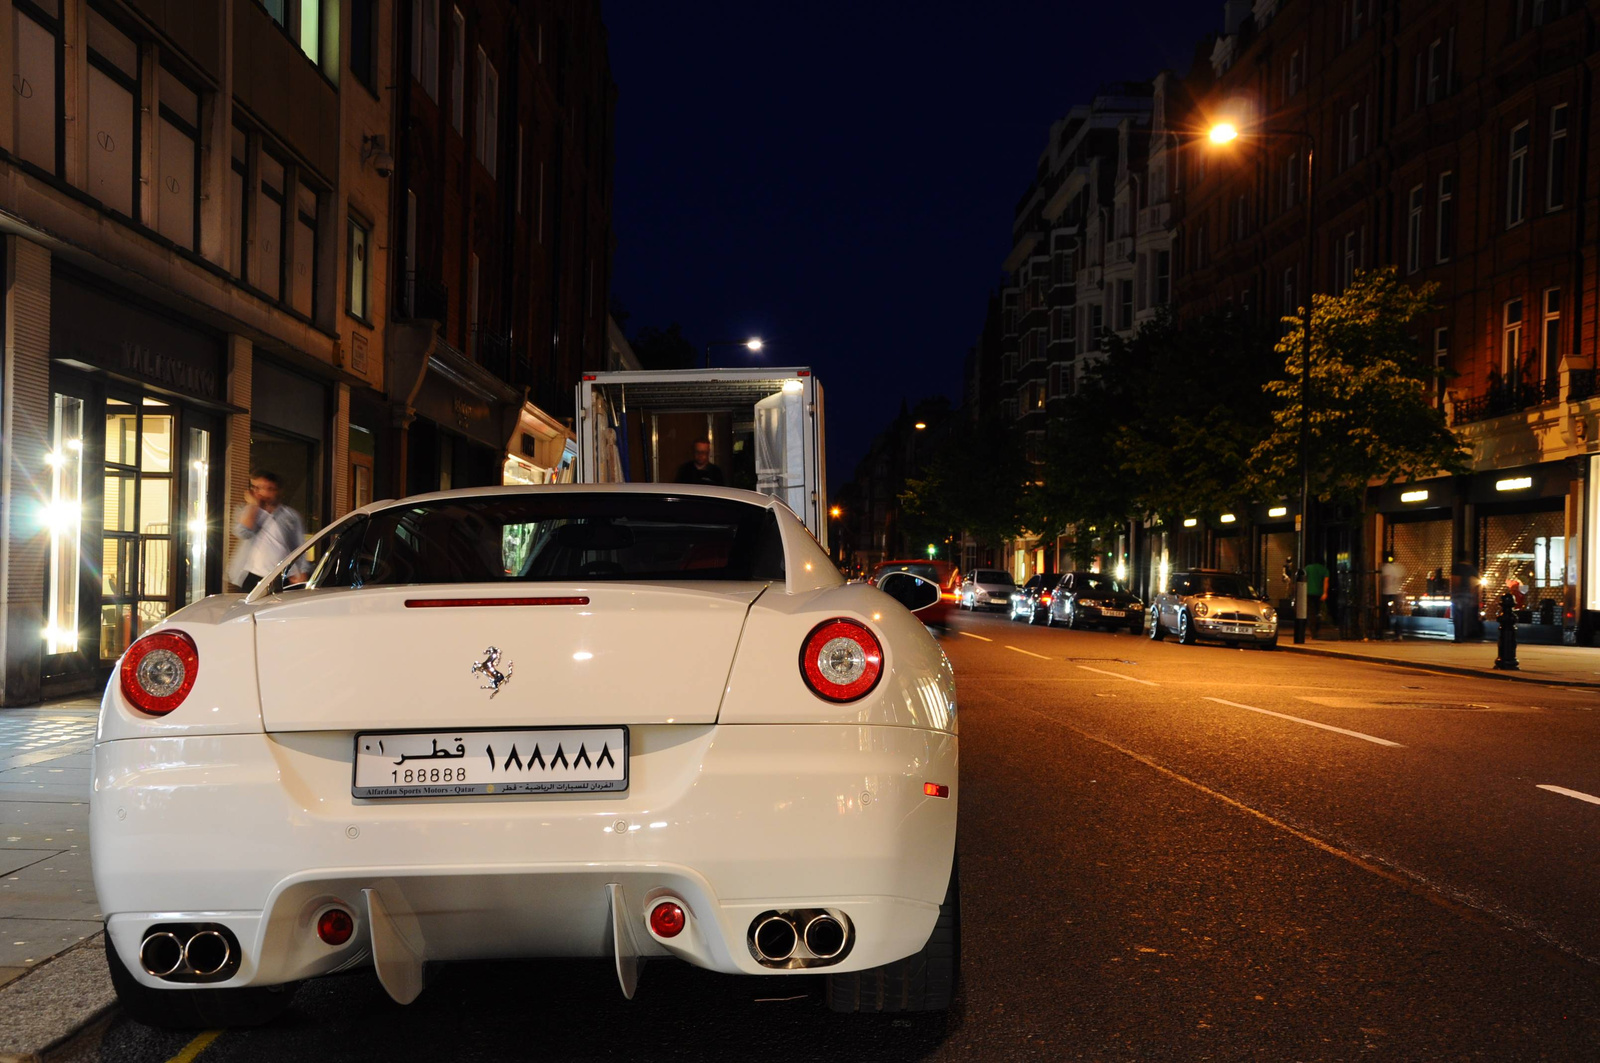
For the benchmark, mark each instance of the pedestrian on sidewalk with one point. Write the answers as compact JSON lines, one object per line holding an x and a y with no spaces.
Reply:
{"x":1391,"y":584}
{"x":1316,"y":595}
{"x":268,"y":532}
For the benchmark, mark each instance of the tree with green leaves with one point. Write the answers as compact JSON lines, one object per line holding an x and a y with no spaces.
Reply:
{"x":1372,"y":419}
{"x":977,"y":480}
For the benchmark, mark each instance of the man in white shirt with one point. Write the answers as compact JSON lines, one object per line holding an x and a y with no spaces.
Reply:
{"x":268,"y":532}
{"x":1391,"y":585}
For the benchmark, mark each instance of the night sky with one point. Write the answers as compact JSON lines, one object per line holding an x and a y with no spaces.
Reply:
{"x":840,"y":179}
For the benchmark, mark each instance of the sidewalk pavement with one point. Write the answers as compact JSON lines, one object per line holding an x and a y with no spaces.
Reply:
{"x":49,"y":918}
{"x":1569,"y":666}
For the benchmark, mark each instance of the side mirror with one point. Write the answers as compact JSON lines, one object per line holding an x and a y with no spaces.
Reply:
{"x":911,"y":591}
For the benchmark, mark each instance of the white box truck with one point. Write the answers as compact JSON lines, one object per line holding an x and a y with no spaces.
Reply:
{"x":765,"y":427}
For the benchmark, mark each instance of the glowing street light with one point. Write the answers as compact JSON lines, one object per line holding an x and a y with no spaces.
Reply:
{"x":1223,"y":132}
{"x":920,"y":425}
{"x":835,"y":512}
{"x":753,"y":343}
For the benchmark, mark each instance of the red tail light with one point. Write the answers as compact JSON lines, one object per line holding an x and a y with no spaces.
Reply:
{"x":335,"y":926}
{"x":935,"y":789}
{"x":159,"y":670}
{"x":667,"y":919}
{"x":841,"y":660}
{"x":1045,"y":598}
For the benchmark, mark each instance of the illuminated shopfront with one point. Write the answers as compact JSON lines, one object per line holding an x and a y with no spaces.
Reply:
{"x":134,"y":498}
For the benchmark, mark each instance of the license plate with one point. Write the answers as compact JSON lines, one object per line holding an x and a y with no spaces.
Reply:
{"x":1239,"y":629}
{"x":1112,"y":612}
{"x":556,"y":760}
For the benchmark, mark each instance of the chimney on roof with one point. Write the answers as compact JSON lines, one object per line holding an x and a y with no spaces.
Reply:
{"x":1234,"y":13}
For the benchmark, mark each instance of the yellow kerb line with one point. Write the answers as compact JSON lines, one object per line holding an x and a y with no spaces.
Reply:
{"x":195,"y":1047}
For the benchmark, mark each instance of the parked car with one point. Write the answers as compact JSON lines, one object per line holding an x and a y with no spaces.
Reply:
{"x":1031,"y":601}
{"x":539,"y":671}
{"x":987,"y":588}
{"x":941,"y":572}
{"x":1202,"y":603}
{"x":1089,"y":599}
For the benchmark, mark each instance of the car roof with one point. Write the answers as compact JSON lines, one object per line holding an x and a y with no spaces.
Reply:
{"x":731,"y":494}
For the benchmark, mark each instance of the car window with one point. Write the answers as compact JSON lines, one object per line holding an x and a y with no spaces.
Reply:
{"x":555,"y":537}
{"x":991,"y":575}
{"x":1227,"y":585}
{"x":1092,"y":583}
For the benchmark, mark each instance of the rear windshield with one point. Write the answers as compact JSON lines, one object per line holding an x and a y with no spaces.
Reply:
{"x":991,"y":575}
{"x":1096,"y":584}
{"x":555,"y":537}
{"x":927,"y":572}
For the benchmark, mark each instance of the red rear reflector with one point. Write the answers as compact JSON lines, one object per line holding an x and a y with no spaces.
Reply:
{"x":158,"y":671}
{"x":472,"y":603}
{"x":589,"y":376}
{"x":934,"y":789}
{"x":803,"y":372}
{"x":667,"y":919}
{"x":335,"y":926}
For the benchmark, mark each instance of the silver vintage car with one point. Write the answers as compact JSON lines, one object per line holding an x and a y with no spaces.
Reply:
{"x":1205,"y":604}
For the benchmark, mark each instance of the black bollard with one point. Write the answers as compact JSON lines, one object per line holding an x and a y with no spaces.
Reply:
{"x":1507,"y":660}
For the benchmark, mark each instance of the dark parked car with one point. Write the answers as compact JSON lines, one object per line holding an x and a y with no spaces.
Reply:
{"x":1031,"y":601}
{"x":1203,"y":603}
{"x":1089,"y":599}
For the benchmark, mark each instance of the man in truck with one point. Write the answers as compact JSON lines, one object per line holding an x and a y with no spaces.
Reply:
{"x":700,"y":470}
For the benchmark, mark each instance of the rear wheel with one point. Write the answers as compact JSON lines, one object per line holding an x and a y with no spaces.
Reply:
{"x":925,"y":981}
{"x":195,"y":1009}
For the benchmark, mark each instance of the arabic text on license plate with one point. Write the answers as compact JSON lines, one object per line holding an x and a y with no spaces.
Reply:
{"x":554,"y":760}
{"x":1112,"y":612}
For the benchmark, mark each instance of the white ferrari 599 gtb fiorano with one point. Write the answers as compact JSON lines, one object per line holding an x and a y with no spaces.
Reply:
{"x":616,"y":721}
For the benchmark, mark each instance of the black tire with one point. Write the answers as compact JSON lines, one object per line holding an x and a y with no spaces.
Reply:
{"x":925,"y":981}
{"x":1033,"y":614}
{"x":1270,"y":645}
{"x":1155,"y":625}
{"x":196,"y":1009}
{"x":1185,"y":628}
{"x":1073,"y":623}
{"x":1136,"y":627}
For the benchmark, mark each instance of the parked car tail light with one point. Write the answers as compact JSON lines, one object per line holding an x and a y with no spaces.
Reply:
{"x":159,"y":670}
{"x":1045,"y":599}
{"x":841,"y":660}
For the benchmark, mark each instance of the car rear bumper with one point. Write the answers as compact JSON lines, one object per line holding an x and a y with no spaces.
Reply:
{"x":259,"y":833}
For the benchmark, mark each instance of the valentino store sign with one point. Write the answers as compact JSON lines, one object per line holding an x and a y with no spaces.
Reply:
{"x":93,"y":328}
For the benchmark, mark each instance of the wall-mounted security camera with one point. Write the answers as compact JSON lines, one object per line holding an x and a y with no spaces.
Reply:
{"x":372,"y":148}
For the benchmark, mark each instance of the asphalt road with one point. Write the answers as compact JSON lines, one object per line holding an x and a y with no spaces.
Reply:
{"x":1168,"y":853}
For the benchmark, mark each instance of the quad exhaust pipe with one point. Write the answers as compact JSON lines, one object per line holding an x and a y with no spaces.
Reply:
{"x":204,"y":952}
{"x":812,"y":937}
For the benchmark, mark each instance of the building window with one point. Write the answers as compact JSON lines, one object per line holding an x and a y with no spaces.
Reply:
{"x":1097,"y":326}
{"x":363,"y":42}
{"x":1445,"y":222}
{"x":303,"y":276}
{"x":178,"y":182}
{"x":1556,"y":175}
{"x":113,"y":149}
{"x":472,"y":301}
{"x":1290,"y":304}
{"x":238,"y":184}
{"x":1163,"y":286}
{"x":1552,"y":334}
{"x":302,"y":20}
{"x":1511,"y":342}
{"x":1355,"y":138}
{"x":1295,"y":72}
{"x":487,"y":116}
{"x":458,"y":69}
{"x":1291,"y":181}
{"x":36,"y":85}
{"x":269,"y":216}
{"x":1414,"y":232}
{"x":1200,"y":246}
{"x":1441,"y":63}
{"x":1351,"y":259}
{"x":358,"y":267}
{"x":425,"y":45}
{"x":522,"y":177}
{"x":1517,"y":177}
{"x":1241,"y":218}
{"x":1441,"y":355}
{"x":1125,"y":304}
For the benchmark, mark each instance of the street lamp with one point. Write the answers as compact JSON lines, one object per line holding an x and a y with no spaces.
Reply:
{"x":1225,"y":133}
{"x":920,"y":425}
{"x":754,"y":343}
{"x":834,"y":512}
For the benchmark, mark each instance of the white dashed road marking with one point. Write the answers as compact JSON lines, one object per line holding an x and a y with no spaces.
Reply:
{"x":1030,"y":653}
{"x":970,"y":635}
{"x":1309,"y":723}
{"x":1119,"y":675}
{"x":1580,"y":795}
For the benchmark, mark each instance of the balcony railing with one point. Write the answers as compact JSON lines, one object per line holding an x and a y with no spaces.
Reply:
{"x":1581,"y":384}
{"x":426,"y":297}
{"x":1507,"y":398}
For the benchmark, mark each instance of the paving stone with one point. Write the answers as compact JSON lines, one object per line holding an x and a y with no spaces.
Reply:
{"x":26,"y":942}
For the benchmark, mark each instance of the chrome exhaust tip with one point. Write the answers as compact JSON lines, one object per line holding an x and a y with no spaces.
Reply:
{"x":774,"y":938}
{"x":161,"y":954}
{"x":825,"y":937}
{"x":207,"y":953}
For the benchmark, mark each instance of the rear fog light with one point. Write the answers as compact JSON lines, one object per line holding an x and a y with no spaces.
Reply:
{"x":335,"y":926}
{"x":667,"y":919}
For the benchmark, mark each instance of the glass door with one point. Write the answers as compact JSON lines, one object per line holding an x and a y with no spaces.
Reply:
{"x":138,"y":560}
